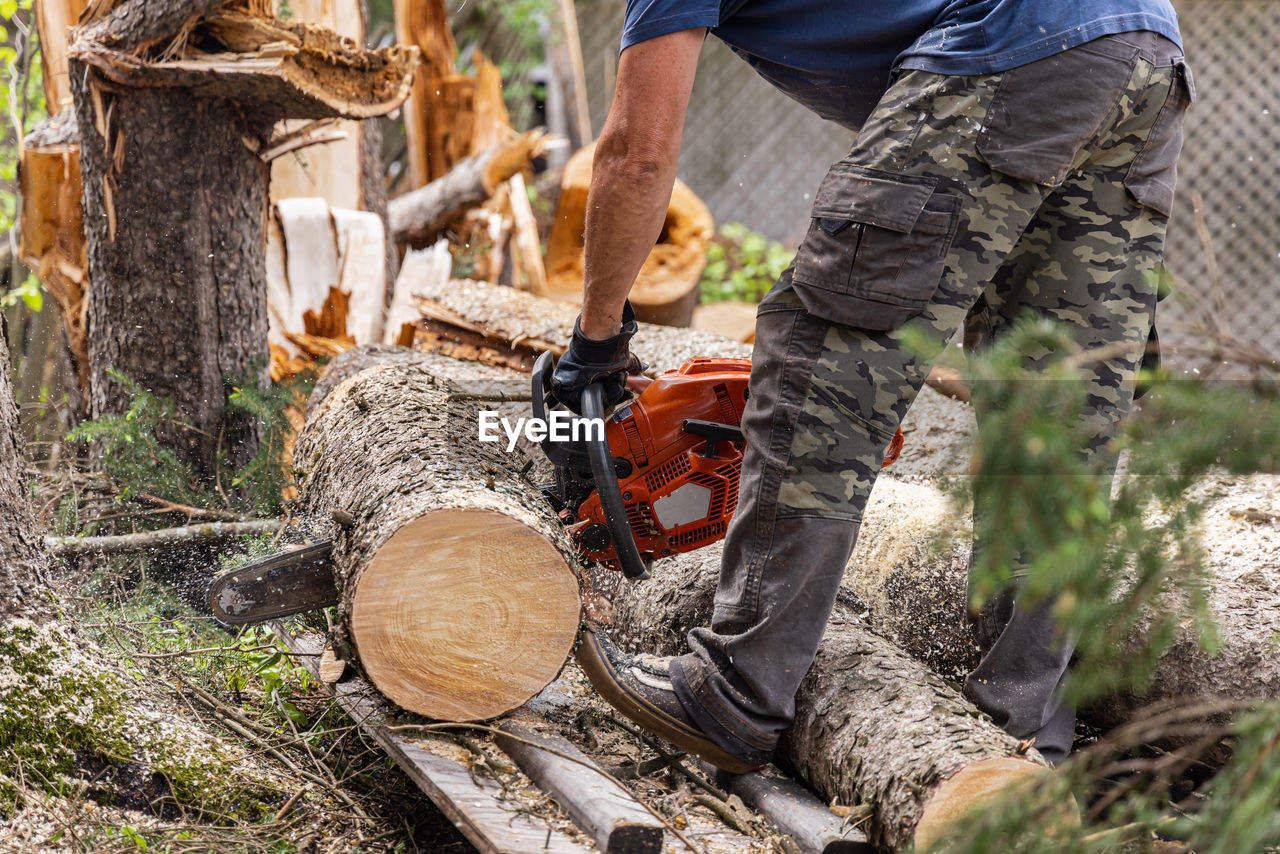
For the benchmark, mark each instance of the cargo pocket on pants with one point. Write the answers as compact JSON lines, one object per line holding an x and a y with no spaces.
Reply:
{"x":1153,"y":174}
{"x":876,"y":247}
{"x":1045,"y":112}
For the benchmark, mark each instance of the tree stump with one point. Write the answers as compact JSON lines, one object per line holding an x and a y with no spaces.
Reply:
{"x":175,"y":191}
{"x":666,"y":290}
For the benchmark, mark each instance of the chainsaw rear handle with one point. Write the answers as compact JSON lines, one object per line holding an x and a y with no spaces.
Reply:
{"x":606,"y":478}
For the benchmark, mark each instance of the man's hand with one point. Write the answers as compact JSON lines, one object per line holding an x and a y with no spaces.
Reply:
{"x":589,"y":360}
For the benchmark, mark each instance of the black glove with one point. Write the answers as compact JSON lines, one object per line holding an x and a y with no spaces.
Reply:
{"x":588,"y":360}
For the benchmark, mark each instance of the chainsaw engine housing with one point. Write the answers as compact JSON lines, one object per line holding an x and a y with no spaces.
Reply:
{"x":681,"y":441}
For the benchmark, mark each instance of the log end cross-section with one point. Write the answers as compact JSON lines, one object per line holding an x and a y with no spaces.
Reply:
{"x":464,"y":613}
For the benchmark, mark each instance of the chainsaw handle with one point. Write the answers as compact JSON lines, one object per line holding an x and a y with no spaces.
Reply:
{"x":606,"y":478}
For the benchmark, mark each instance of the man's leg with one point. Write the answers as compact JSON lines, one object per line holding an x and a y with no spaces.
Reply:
{"x":825,"y":400}
{"x":1088,"y":261}
{"x":827,"y":396}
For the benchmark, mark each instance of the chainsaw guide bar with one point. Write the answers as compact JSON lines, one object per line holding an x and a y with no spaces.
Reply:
{"x":280,"y":586}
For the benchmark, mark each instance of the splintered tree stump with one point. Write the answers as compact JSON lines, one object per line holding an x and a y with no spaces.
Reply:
{"x":176,"y":102}
{"x":666,"y":290}
{"x":459,"y":586}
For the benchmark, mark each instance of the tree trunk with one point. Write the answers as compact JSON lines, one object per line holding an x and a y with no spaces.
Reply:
{"x":175,"y":193}
{"x":22,"y":558}
{"x":178,"y":301}
{"x":413,"y":482}
{"x":459,"y":585}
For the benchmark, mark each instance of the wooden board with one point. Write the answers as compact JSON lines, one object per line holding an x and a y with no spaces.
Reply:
{"x":470,"y":802}
{"x":598,"y":805}
{"x":794,"y":809}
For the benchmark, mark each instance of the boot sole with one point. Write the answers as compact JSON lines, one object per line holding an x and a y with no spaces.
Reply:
{"x":609,"y":685}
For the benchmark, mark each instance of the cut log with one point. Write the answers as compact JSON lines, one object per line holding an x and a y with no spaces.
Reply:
{"x":808,"y":821}
{"x":478,"y":805}
{"x":419,"y":215}
{"x":458,"y":583}
{"x":736,"y":320}
{"x":873,"y":725}
{"x":912,"y":589}
{"x":525,"y":326}
{"x":597,"y":804}
{"x":666,"y":290}
{"x":470,"y":377}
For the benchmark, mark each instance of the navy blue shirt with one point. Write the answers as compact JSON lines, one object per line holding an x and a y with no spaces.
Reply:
{"x":838,"y":58}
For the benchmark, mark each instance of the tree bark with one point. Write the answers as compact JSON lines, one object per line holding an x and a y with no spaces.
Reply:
{"x":459,"y":585}
{"x":912,"y":589}
{"x":22,"y":558}
{"x":176,"y":258}
{"x":175,"y":195}
{"x":528,"y":325}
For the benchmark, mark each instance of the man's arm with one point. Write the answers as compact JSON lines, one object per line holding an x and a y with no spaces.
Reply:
{"x":634,"y":170}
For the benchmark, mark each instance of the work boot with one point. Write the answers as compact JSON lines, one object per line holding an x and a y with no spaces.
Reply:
{"x":639,"y":686}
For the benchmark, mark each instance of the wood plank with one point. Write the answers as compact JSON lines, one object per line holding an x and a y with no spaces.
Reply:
{"x":597,"y":804}
{"x":470,"y":802}
{"x":794,"y":810}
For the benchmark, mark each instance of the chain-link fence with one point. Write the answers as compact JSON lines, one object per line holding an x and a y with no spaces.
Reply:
{"x":755,"y":156}
{"x":1230,"y":159}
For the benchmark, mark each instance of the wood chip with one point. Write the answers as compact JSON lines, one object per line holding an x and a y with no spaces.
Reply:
{"x":331,"y":667}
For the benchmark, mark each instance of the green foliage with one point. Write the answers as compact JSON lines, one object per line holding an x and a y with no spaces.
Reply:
{"x":1047,"y":511}
{"x":1131,"y":800}
{"x":1120,"y":559}
{"x":132,"y":453}
{"x":136,"y":460}
{"x":22,"y":100}
{"x":742,"y":265}
{"x":29,"y":292}
{"x":22,"y":104}
{"x":262,"y":480}
{"x":252,"y":666}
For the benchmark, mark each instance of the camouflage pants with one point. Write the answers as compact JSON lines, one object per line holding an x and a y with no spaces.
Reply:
{"x":1043,"y":189}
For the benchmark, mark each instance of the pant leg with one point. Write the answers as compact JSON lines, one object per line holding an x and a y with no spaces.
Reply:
{"x":1089,"y":261}
{"x":826,"y":398}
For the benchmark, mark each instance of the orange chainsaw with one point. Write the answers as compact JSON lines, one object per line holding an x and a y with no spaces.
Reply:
{"x":662,"y":476}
